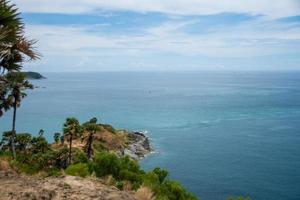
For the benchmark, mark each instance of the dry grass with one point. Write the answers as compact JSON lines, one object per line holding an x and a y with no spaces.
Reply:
{"x":144,"y":193}
{"x":127,"y":186}
{"x":4,"y":165}
{"x":109,"y":180}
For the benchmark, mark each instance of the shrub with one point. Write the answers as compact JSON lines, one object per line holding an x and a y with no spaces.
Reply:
{"x":54,"y":172}
{"x":173,"y":191}
{"x":130,"y":165}
{"x":120,"y":185}
{"x":80,"y":157}
{"x":107,"y":164}
{"x":22,"y":141}
{"x":151,"y":180}
{"x":134,"y":178}
{"x":39,"y":144}
{"x":161,"y":174}
{"x":79,"y":169}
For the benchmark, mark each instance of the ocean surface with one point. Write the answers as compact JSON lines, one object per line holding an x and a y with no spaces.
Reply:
{"x":218,"y":133}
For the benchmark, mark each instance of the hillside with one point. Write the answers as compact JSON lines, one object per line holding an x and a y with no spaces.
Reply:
{"x":96,"y":161}
{"x":19,"y":187}
{"x":33,"y":75}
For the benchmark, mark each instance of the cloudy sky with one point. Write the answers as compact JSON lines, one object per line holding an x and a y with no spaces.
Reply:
{"x":118,"y":35}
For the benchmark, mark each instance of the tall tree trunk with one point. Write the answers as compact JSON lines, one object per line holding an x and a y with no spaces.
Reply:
{"x":89,"y":145}
{"x":70,"y":150}
{"x":13,"y":131}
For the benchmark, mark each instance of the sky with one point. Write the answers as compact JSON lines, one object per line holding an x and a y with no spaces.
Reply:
{"x":164,"y":35}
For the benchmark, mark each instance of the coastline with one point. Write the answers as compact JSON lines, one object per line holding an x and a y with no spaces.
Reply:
{"x":139,"y":145}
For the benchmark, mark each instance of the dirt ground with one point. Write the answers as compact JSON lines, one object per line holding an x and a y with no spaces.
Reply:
{"x":19,"y":187}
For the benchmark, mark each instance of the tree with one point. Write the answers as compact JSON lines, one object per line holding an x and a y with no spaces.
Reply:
{"x":56,"y":137}
{"x":93,"y":120}
{"x":14,"y":47}
{"x":72,"y":129}
{"x":91,"y":128}
{"x":15,"y":86}
{"x":41,"y":132}
{"x":23,"y":141}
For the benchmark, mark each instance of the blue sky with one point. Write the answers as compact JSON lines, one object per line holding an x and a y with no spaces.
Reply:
{"x":144,"y":35}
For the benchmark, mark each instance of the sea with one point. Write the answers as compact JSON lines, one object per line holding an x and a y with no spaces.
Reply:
{"x":220,"y":134}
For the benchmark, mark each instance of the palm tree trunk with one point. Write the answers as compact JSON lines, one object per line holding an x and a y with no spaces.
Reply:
{"x":89,"y":145}
{"x":13,"y":132}
{"x":70,"y":149}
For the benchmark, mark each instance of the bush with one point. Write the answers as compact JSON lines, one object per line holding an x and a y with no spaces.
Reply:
{"x":173,"y":191}
{"x":161,"y":174}
{"x":134,"y":178}
{"x":130,"y":165}
{"x":79,"y":169}
{"x":151,"y":180}
{"x":80,"y":157}
{"x":120,"y":185}
{"x":107,"y":164}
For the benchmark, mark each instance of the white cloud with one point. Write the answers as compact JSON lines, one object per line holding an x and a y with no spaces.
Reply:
{"x":258,"y":38}
{"x":270,"y":8}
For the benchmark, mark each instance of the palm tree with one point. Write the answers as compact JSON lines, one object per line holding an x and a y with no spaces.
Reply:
{"x":91,"y":128}
{"x":56,"y":137}
{"x":14,"y":47}
{"x":72,"y":129}
{"x":15,"y":86}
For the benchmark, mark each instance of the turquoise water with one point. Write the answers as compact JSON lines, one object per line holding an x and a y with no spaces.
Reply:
{"x":218,"y":133}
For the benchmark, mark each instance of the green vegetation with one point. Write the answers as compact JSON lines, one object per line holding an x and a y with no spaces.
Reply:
{"x":79,"y":169}
{"x":72,"y":130}
{"x":33,"y":75}
{"x":36,"y":155}
{"x":14,"y":49}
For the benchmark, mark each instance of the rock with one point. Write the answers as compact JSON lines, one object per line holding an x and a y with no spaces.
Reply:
{"x":138,"y":147}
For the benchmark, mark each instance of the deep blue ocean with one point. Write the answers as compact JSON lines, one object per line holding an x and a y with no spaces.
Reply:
{"x":218,"y":133}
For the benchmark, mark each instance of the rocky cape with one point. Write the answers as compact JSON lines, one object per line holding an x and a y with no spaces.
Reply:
{"x":139,"y":145}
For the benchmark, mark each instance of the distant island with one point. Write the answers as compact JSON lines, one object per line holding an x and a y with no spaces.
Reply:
{"x":33,"y":75}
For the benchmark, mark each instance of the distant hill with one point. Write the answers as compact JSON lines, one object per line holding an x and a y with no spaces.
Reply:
{"x":33,"y":75}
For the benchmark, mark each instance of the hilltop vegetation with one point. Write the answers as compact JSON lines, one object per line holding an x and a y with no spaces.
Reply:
{"x":75,"y":153}
{"x":33,"y":75}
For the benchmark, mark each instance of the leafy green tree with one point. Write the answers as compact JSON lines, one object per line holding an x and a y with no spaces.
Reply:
{"x":72,"y":129}
{"x":6,"y":140}
{"x":61,"y":158}
{"x":23,"y":141}
{"x":56,"y":137}
{"x":15,"y":86}
{"x":91,"y":128}
{"x":39,"y":145}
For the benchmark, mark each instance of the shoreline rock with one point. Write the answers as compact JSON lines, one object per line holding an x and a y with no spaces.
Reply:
{"x":139,"y":145}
